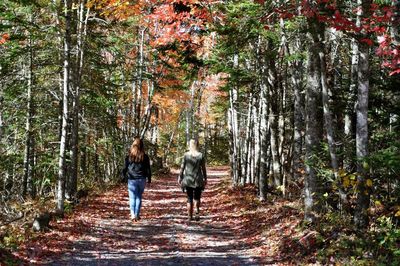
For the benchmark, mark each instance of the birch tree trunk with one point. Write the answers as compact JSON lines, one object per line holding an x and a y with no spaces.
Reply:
{"x":234,"y":129}
{"x":235,"y":158}
{"x":298,"y":118}
{"x":348,"y":119}
{"x":328,"y":121}
{"x":246,"y":160}
{"x":263,"y":110}
{"x":66,"y":85}
{"x":273,"y":117}
{"x":27,"y":186}
{"x":139,"y":89}
{"x":311,"y":135}
{"x":395,"y":30}
{"x":350,"y":106}
{"x":363,"y":193}
{"x":257,"y":142}
{"x":1,"y":114}
{"x":81,"y":34}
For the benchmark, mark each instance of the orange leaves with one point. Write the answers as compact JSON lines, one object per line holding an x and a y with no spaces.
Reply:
{"x":115,"y":9}
{"x":170,"y":102}
{"x":4,"y":38}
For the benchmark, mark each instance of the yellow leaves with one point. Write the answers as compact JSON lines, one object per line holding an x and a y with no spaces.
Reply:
{"x":396,"y":210}
{"x":342,"y":172}
{"x":115,"y":9}
{"x":348,"y":180}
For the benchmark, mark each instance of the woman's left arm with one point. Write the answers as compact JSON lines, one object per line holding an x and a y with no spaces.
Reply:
{"x":204,"y":170}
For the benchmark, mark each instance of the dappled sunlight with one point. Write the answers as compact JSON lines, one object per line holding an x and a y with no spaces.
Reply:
{"x":100,"y":232}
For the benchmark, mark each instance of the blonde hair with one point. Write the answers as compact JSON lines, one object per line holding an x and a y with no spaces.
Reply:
{"x":136,"y":152}
{"x":193,"y":147}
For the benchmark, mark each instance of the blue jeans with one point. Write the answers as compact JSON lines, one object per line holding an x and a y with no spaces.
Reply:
{"x":135,"y":189}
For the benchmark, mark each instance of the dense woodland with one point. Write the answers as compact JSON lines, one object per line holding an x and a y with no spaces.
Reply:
{"x":300,"y":98}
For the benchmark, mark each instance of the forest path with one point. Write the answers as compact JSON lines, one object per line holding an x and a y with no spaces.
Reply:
{"x":99,"y":231}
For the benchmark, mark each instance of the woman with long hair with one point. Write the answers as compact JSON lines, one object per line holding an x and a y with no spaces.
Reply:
{"x":193,"y":177}
{"x":136,"y":170}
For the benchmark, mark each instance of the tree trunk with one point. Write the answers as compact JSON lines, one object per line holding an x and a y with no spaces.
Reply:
{"x":235,"y":158}
{"x":311,"y":135}
{"x":66,"y":85}
{"x":263,"y":111}
{"x":28,"y":186}
{"x":273,"y":117}
{"x":363,"y":193}
{"x":328,"y":121}
{"x":246,"y":160}
{"x":257,"y":142}
{"x":298,"y":120}
{"x":348,"y":119}
{"x":234,"y":129}
{"x":190,"y":114}
{"x":139,"y":91}
{"x":81,"y":34}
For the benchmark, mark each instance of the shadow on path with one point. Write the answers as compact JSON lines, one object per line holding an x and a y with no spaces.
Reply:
{"x":100,"y":233}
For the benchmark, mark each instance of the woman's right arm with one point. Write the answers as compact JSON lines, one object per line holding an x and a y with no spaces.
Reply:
{"x":148,"y":169}
{"x":180,"y":177}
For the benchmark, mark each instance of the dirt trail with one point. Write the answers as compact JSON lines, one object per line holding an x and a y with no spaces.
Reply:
{"x":100,"y":233}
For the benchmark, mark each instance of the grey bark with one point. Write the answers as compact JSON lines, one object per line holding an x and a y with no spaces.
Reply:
{"x":66,"y":85}
{"x":246,"y":159}
{"x":263,"y":111}
{"x":139,"y":91}
{"x":363,"y":193}
{"x":348,"y":119}
{"x":328,"y":120}
{"x":234,"y":129}
{"x":81,"y":34}
{"x":257,"y":143}
{"x":27,"y":186}
{"x":298,"y":120}
{"x":273,"y":117}
{"x":311,"y":134}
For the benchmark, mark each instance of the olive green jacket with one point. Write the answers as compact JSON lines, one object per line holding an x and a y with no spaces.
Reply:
{"x":193,"y":171}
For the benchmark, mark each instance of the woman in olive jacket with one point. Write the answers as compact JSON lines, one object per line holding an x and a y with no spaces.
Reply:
{"x":193,"y":177}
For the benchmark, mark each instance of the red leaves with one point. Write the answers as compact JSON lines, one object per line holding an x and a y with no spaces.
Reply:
{"x":369,"y":42}
{"x":397,"y":71}
{"x":377,"y":23}
{"x":389,"y":53}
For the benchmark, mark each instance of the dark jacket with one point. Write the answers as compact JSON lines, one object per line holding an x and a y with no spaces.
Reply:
{"x":140,"y":170}
{"x":193,"y":171}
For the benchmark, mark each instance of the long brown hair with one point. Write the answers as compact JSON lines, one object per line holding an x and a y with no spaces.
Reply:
{"x":136,"y":152}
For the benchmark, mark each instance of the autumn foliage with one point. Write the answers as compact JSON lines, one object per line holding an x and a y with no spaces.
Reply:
{"x":376,"y":28}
